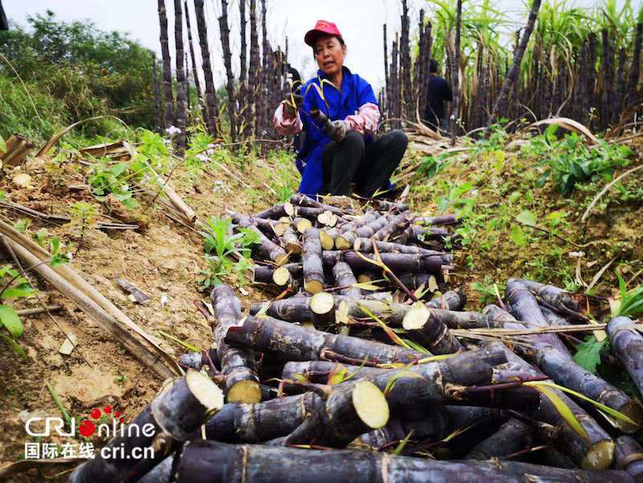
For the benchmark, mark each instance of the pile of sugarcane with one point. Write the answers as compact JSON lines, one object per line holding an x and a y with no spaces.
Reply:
{"x":335,"y":381}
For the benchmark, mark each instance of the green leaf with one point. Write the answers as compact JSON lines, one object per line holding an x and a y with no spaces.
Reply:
{"x":16,"y":292}
{"x":390,"y":384}
{"x":337,"y":375}
{"x":400,"y":447}
{"x":588,"y":354}
{"x":22,"y":225}
{"x":518,"y":236}
{"x":527,"y":217}
{"x":560,"y":406}
{"x":11,"y":321}
{"x":15,"y":346}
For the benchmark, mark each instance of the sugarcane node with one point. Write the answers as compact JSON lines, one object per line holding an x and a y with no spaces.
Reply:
{"x":370,"y":404}
{"x":162,"y":443}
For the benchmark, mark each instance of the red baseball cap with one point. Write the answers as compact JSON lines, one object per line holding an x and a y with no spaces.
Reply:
{"x":322,"y":27}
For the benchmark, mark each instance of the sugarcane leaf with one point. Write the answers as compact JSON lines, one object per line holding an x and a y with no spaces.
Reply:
{"x":416,"y":347}
{"x":457,"y":432}
{"x":588,"y":353}
{"x":560,"y":406}
{"x":612,"y":412}
{"x":437,"y":358}
{"x":390,"y":384}
{"x":357,"y":371}
{"x":337,"y":375}
{"x":300,"y":378}
{"x":180,"y":342}
{"x":394,"y":337}
{"x":398,"y":449}
{"x":527,"y":217}
{"x":9,"y":318}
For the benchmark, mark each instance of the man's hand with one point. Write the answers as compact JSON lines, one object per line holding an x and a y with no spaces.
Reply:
{"x":337,"y":130}
{"x":293,"y":102}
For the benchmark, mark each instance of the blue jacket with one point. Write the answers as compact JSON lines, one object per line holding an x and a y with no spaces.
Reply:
{"x":355,"y":92}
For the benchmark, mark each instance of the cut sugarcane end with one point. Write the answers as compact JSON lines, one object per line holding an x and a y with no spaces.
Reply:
{"x":370,"y":404}
{"x":341,"y":314}
{"x":599,"y":456}
{"x":281,"y":259}
{"x":633,"y":411}
{"x":364,"y":278}
{"x":341,"y":243}
{"x":206,"y":391}
{"x":416,"y":317}
{"x":279,"y":228}
{"x":289,"y":208}
{"x":313,"y":286}
{"x":322,"y":303}
{"x":303,"y":225}
{"x":248,"y":392}
{"x":293,"y":248}
{"x":281,"y":276}
{"x":327,"y":241}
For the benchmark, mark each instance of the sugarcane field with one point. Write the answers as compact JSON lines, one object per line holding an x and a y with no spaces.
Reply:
{"x":256,"y":241}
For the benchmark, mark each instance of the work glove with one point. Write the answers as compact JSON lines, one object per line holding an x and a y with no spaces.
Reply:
{"x":337,"y":130}
{"x":293,"y":102}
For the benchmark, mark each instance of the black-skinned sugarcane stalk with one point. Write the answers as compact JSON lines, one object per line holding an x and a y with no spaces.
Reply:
{"x":413,"y":281}
{"x":158,"y":113}
{"x":237,"y":365}
{"x":294,"y":343}
{"x":430,"y":331}
{"x":321,"y":372}
{"x":348,"y":411}
{"x":635,"y":66}
{"x":254,"y":68}
{"x":276,"y":212}
{"x":451,"y":300}
{"x":181,"y":92}
{"x":168,"y":116}
{"x":242,"y":94}
{"x":227,"y":61}
{"x":347,"y":239}
{"x":195,"y":72}
{"x":303,"y":200}
{"x":427,"y":424}
{"x":297,"y":309}
{"x":559,"y":365}
{"x":360,"y":221}
{"x":457,"y":81}
{"x":558,"y":298}
{"x":511,"y":81}
{"x":266,"y":248}
{"x":626,"y":343}
{"x":365,"y":245}
{"x":396,"y":224}
{"x":211,"y":102}
{"x":345,"y":278}
{"x":432,"y":383}
{"x":254,"y":423}
{"x":291,"y":241}
{"x":397,"y":262}
{"x":629,"y":456}
{"x":322,"y":310}
{"x":312,"y":262}
{"x":181,"y":407}
{"x":212,"y":462}
{"x":285,"y":275}
{"x":512,"y":437}
{"x":607,"y":72}
{"x":597,"y":451}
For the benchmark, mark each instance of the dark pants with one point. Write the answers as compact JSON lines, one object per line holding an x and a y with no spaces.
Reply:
{"x":369,"y":166}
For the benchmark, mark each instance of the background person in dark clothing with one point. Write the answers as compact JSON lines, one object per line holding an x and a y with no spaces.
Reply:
{"x":439,"y":93}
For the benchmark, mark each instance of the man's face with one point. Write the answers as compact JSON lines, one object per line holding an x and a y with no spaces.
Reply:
{"x":329,"y":54}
